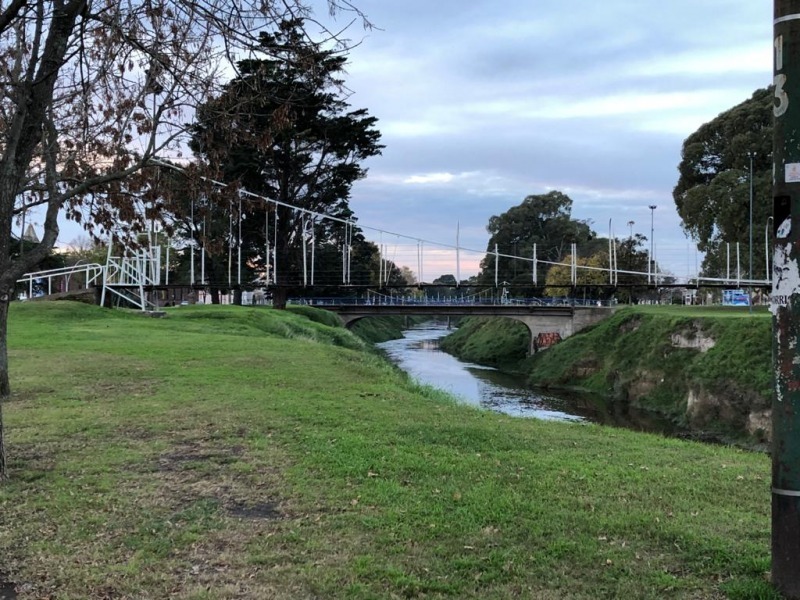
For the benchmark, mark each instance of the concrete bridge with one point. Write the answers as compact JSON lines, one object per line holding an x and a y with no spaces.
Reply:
{"x":549,"y":320}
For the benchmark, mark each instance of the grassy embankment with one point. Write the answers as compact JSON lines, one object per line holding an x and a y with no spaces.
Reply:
{"x":636,"y":356}
{"x":227,"y":452}
{"x":498,"y":342}
{"x":381,"y":329}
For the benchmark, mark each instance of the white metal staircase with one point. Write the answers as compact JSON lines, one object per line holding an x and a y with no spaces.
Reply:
{"x":124,"y":278}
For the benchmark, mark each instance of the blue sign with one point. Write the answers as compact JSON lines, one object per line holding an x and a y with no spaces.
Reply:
{"x":735,"y":298}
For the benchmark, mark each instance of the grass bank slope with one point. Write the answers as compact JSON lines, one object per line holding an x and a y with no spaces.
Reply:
{"x":710,"y":367}
{"x":489,"y":341}
{"x":379,"y":329}
{"x":229,"y":452}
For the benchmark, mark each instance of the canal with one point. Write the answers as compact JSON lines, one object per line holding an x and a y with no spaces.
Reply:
{"x":419,"y":355}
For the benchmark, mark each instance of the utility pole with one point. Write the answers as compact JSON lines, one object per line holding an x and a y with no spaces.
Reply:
{"x":651,"y":263}
{"x":750,"y":155}
{"x":785,"y":302}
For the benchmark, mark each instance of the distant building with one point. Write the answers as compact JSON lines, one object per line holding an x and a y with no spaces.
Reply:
{"x":30,"y":234}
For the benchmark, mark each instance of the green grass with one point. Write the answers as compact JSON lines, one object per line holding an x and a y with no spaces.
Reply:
{"x":381,"y":329}
{"x":633,"y":358}
{"x":492,"y":341}
{"x":226,"y":452}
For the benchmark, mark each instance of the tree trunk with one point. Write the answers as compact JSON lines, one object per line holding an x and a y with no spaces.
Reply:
{"x":279,"y":296}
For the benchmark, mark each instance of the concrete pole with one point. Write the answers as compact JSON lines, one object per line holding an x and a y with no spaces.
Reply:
{"x":785,"y":302}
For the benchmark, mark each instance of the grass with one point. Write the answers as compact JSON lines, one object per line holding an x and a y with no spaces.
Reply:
{"x":381,"y":329}
{"x":495,"y":341}
{"x":225,"y":452}
{"x":634,"y":358}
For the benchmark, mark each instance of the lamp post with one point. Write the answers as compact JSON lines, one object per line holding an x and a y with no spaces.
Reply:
{"x":630,"y":245}
{"x":751,"y":155}
{"x":651,"y":262}
{"x":630,"y":259}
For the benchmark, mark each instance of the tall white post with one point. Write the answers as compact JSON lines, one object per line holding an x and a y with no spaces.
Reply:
{"x":230,"y":242}
{"x":652,"y":240}
{"x":610,"y":257}
{"x":458,"y":253}
{"x":421,"y":261}
{"x":738,"y":267}
{"x":275,"y":249}
{"x":203,"y":255}
{"x":313,"y":246}
{"x":728,"y":272}
{"x":239,"y":247}
{"x":305,"y":252}
{"x":191,"y":255}
{"x":266,"y":245}
{"x":166,"y":264}
{"x":574,"y":257}
{"x":496,"y":265}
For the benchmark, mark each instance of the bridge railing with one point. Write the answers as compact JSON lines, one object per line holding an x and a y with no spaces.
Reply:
{"x":415,"y":301}
{"x":52,"y":281}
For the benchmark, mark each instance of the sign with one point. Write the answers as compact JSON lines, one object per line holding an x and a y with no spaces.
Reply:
{"x":735,"y":298}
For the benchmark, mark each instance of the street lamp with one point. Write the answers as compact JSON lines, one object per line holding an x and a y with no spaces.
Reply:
{"x":651,"y":263}
{"x":751,"y":155}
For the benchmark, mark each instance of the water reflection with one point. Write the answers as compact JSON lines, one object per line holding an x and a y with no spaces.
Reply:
{"x":419,"y":355}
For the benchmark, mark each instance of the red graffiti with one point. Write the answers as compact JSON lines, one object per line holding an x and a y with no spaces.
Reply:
{"x":545,"y":340}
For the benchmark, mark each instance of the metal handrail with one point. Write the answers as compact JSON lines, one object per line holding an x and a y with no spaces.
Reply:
{"x":92,"y":270}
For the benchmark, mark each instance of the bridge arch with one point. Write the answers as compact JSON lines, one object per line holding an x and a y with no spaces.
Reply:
{"x":559,"y":322}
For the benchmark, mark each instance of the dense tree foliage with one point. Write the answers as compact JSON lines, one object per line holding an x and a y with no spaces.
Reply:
{"x":713,"y":192}
{"x":591,"y":276}
{"x":283,"y":130}
{"x":544,"y":220}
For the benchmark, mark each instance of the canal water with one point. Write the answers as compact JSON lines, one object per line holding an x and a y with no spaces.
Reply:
{"x":419,"y":355}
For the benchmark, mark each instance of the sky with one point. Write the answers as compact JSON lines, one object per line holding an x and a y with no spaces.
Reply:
{"x":481,"y":103}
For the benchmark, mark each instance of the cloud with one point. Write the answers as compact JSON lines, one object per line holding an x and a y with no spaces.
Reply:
{"x":431,"y":178}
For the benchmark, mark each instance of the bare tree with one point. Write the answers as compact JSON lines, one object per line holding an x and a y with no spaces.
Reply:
{"x":92,"y":92}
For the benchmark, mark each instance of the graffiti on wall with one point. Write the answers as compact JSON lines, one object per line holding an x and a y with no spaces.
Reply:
{"x":547,"y":339}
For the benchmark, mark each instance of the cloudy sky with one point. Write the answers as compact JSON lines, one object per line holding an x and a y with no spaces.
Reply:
{"x":481,"y":103}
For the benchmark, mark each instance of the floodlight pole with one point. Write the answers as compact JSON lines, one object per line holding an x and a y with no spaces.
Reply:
{"x":785,"y":301}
